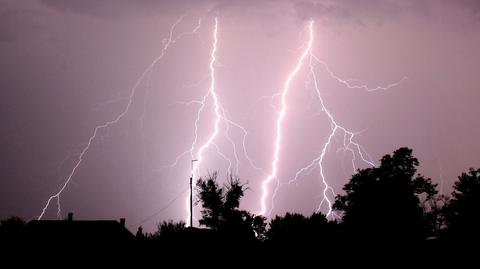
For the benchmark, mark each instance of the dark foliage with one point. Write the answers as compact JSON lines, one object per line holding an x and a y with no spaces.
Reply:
{"x":221,"y":213}
{"x":390,"y":207}
{"x":297,"y":230}
{"x":462,"y":213}
{"x":12,"y":229}
{"x":383,"y":203}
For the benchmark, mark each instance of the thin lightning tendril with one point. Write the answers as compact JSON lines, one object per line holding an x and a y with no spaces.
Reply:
{"x":352,"y":86}
{"x":244,"y":145}
{"x":234,"y":146}
{"x":166,"y":45}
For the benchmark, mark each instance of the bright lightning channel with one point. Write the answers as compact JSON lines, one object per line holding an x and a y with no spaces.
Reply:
{"x":278,"y":125}
{"x":349,"y":144}
{"x":197,"y":152}
{"x":211,"y":93}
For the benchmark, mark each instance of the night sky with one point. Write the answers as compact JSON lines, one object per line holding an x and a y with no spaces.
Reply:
{"x":68,"y":66}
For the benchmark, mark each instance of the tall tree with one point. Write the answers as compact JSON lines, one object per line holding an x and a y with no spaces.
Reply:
{"x":221,"y":209}
{"x":463,"y":211}
{"x":384,"y":202}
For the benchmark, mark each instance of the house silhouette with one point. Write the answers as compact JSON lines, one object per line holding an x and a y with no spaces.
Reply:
{"x":69,"y":231}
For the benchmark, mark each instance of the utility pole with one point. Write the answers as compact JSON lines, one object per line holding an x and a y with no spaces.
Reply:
{"x":191,"y":195}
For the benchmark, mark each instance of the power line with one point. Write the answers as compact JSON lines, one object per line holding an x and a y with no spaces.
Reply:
{"x":160,"y":210}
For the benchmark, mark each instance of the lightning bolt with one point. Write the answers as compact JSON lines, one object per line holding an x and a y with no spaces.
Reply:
{"x":349,"y":144}
{"x":197,"y":152}
{"x":220,"y":118}
{"x":167,"y":43}
{"x":278,"y":125}
{"x":210,"y":93}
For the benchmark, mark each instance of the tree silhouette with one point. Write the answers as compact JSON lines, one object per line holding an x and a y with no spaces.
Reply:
{"x":139,"y":234}
{"x":297,"y":234}
{"x":289,"y":229}
{"x":167,"y":231}
{"x":383,"y":202}
{"x":462,"y":213}
{"x":434,"y":209}
{"x":12,"y":229}
{"x":220,"y":209}
{"x":211,"y":196}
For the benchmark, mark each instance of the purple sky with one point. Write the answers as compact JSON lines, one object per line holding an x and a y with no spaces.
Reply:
{"x":67,"y":66}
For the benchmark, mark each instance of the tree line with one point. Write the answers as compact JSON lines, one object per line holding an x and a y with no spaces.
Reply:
{"x":387,"y":205}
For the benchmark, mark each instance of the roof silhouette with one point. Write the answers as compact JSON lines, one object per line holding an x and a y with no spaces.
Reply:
{"x":74,"y":231}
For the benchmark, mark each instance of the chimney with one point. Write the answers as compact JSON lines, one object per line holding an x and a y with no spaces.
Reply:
{"x":122,"y":222}
{"x":70,"y":216}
